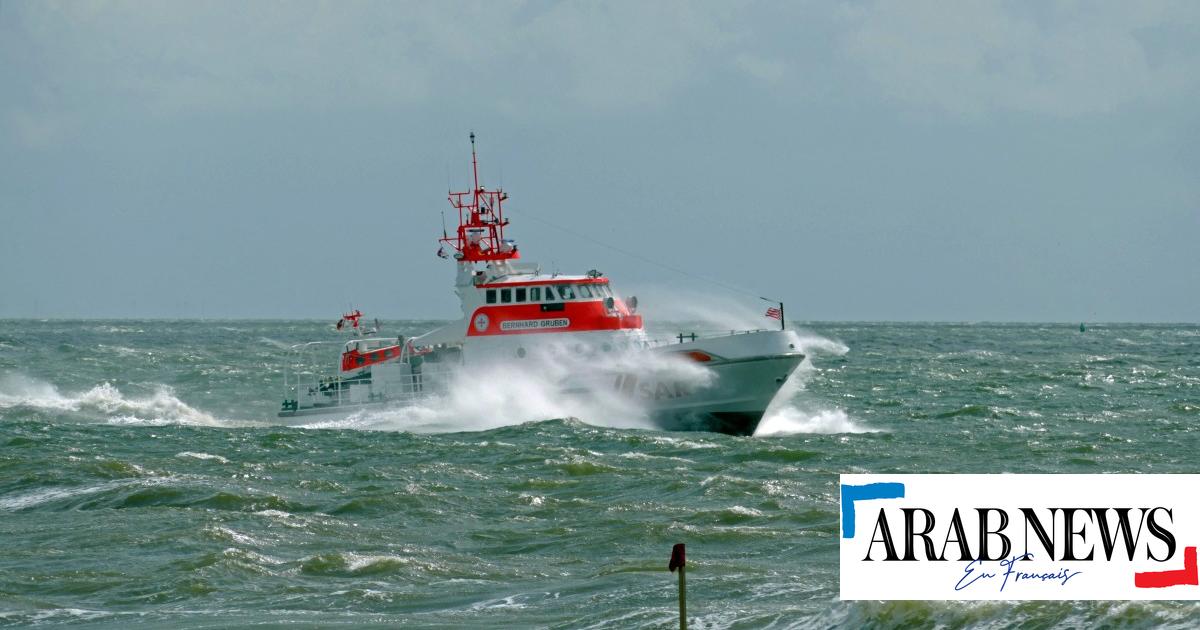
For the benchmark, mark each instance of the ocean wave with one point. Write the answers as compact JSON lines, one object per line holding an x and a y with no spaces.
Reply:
{"x":102,"y":403}
{"x":62,"y":615}
{"x":1185,"y":408}
{"x":482,"y":398}
{"x":203,"y":456}
{"x":791,"y":413}
{"x":350,"y":564}
{"x":122,"y":351}
{"x":814,"y":344}
{"x":791,"y":420}
{"x":25,"y":500}
{"x":974,"y":411}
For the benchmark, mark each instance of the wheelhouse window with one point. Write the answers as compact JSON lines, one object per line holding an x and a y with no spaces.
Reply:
{"x":550,"y":294}
{"x":505,"y":296}
{"x":535,"y":294}
{"x":520,"y":294}
{"x":566,"y":291}
{"x":491,"y":296}
{"x":585,"y":291}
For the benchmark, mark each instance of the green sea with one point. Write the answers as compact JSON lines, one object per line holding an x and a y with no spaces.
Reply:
{"x":145,"y":481}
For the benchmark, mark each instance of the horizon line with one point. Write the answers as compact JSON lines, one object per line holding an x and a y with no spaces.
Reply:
{"x":440,"y":319}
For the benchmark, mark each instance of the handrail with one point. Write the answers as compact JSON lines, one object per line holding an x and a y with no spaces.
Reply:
{"x":300,"y":371}
{"x":394,"y":340}
{"x":704,"y":335}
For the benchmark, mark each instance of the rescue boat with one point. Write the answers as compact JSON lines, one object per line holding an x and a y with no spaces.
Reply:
{"x":513,"y":313}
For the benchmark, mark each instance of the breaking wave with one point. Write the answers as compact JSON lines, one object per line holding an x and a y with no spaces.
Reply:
{"x":790,"y":420}
{"x":813,"y":344}
{"x":792,"y":413}
{"x":101,"y":403}
{"x":547,"y":387}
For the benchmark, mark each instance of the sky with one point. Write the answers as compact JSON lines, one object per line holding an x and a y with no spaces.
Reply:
{"x":932,"y":161}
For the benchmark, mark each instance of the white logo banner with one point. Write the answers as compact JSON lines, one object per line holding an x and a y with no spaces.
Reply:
{"x":1003,"y":537}
{"x":535,"y":324}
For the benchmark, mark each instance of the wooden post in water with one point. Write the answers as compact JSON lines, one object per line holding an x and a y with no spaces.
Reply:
{"x":679,"y":561}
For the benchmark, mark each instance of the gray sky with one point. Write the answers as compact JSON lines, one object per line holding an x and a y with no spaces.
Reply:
{"x":874,"y":161}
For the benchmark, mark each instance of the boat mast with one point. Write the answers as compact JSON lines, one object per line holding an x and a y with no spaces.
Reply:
{"x":475,"y":169}
{"x":481,"y":222}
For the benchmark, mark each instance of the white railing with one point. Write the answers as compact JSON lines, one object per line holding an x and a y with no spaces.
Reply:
{"x":704,"y":334}
{"x":305,"y":386}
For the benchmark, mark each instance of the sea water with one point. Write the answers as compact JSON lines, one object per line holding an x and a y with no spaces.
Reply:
{"x":145,"y":480}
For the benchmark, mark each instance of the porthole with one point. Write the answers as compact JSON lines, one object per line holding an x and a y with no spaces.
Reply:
{"x":520,"y":353}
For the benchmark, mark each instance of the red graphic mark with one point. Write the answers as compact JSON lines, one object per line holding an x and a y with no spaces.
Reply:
{"x":1163,"y":579}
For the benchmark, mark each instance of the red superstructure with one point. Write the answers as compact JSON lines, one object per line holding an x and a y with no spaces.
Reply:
{"x":481,"y":222}
{"x":565,"y":317}
{"x":502,"y":298}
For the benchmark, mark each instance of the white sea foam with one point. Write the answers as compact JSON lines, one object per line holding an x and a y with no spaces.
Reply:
{"x":744,"y":511}
{"x":483,"y":397}
{"x":103,"y":402}
{"x":20,"y":501}
{"x":234,"y":535}
{"x":71,"y":615}
{"x":122,"y":350}
{"x":813,"y":344}
{"x":18,"y":390}
{"x":208,"y":456}
{"x":790,"y":420}
{"x":791,"y":412}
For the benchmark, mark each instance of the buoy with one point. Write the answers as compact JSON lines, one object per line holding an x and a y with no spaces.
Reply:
{"x":1082,"y":328}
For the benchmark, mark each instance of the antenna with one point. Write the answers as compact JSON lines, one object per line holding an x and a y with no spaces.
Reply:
{"x":481,"y":222}
{"x":474,"y":164}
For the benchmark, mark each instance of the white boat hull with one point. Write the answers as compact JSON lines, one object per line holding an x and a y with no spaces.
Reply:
{"x":726,"y":392}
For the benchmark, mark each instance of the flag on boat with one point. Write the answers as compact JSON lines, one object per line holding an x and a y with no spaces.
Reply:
{"x":774,"y":313}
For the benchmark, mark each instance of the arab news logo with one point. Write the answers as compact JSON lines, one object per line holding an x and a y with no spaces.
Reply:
{"x":1019,"y":537}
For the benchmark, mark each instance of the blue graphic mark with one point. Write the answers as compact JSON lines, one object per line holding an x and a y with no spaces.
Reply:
{"x":850,"y":494}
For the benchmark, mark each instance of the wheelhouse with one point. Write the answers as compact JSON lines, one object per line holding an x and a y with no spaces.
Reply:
{"x":547,"y":291}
